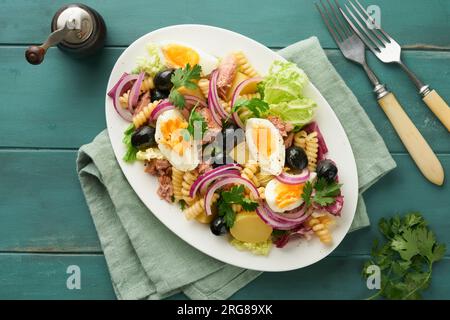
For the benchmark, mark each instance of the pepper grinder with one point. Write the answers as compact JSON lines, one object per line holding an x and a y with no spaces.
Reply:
{"x":76,"y":29}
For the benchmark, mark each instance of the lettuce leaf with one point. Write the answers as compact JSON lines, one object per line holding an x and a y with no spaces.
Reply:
{"x":285,"y":82}
{"x":130,"y":155}
{"x":298,"y":112}
{"x":152,"y":63}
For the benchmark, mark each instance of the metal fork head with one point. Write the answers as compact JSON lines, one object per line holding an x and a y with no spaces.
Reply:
{"x":376,"y":39}
{"x":350,"y":44}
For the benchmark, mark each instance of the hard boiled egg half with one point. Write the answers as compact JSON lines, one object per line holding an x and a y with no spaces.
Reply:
{"x":281,"y":197}
{"x":265,"y":145}
{"x":178,"y":55}
{"x":175,"y":142}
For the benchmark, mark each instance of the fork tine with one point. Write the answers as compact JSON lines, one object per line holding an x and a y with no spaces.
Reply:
{"x":383,"y":41}
{"x":330,"y":17}
{"x":374,"y":22}
{"x":326,"y":20}
{"x":364,"y":29}
{"x":355,"y":29}
{"x":363,"y":25}
{"x":345,"y":28}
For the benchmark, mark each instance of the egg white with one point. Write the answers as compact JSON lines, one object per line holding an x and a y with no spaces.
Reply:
{"x":274,"y":163}
{"x":190,"y":158}
{"x":207,"y":61}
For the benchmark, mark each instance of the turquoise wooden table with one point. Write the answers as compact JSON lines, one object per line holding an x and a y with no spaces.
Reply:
{"x":47,"y":112}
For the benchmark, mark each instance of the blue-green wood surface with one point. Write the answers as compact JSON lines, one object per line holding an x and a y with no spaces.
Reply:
{"x":48,"y":111}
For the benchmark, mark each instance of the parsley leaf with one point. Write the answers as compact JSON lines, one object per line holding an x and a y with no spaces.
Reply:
{"x":234,"y":196}
{"x":257,"y":106}
{"x":406,"y":258}
{"x":177,"y":99}
{"x":307,"y":192}
{"x":196,"y":122}
{"x":183,"y":78}
{"x":326,"y":192}
{"x":322,"y":193}
{"x":226,"y":212}
{"x":130,"y":155}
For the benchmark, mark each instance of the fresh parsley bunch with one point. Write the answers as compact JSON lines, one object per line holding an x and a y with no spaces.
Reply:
{"x":406,"y":258}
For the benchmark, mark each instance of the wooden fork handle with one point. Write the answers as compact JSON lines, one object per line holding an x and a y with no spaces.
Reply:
{"x":439,"y":107}
{"x":418,"y":148}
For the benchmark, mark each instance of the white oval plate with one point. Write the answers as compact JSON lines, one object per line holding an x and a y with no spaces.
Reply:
{"x":217,"y":41}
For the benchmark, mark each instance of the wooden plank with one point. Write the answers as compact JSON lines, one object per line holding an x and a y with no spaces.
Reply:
{"x":41,"y":203}
{"x":43,"y":209}
{"x":62,"y":101}
{"x":36,"y":276}
{"x":294,"y":20}
{"x":44,"y":277}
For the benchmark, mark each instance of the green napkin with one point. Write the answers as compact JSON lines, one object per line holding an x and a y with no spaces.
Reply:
{"x":146,"y":260}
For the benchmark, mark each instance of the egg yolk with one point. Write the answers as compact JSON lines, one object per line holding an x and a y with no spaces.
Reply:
{"x":180,"y":56}
{"x":262,"y":138}
{"x":172,"y":131}
{"x":287,"y":194}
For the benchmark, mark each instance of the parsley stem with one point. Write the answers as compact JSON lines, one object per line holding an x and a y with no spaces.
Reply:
{"x":430,"y":264}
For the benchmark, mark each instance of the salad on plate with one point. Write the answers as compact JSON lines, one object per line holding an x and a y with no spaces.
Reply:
{"x":238,"y":151}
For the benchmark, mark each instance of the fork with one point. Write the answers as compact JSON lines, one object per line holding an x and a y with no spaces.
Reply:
{"x":389,"y":51}
{"x":354,"y":50}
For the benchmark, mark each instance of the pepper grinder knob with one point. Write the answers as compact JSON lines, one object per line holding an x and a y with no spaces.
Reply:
{"x":76,"y":29}
{"x":35,"y":54}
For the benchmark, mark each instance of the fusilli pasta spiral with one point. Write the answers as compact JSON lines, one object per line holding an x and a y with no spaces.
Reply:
{"x":142,"y":117}
{"x":244,"y":65}
{"x":249,"y":172}
{"x":309,"y":143}
{"x":264,"y":178}
{"x":123,"y":99}
{"x":203,"y":84}
{"x":147,"y":84}
{"x":320,"y":225}
{"x":177,"y":181}
{"x":188,"y":179}
{"x":198,"y":207}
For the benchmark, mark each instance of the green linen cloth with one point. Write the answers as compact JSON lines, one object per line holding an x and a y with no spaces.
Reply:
{"x":148,"y":261}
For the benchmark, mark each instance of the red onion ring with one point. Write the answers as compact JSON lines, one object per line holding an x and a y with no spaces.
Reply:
{"x":241,"y":86}
{"x":164,"y":105}
{"x":220,"y":172}
{"x":286,"y":178}
{"x":112,"y":92}
{"x":216,"y":185}
{"x":213,"y":97}
{"x":134,"y":92}
{"x":124,"y":113}
{"x":238,"y":120}
{"x":280,"y":222}
{"x":236,"y":95}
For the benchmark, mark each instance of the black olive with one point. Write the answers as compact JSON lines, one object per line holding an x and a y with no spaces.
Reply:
{"x":162,"y":80}
{"x":327,"y":169}
{"x":158,"y":95}
{"x":218,"y":226}
{"x":296,"y":158}
{"x":144,"y":137}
